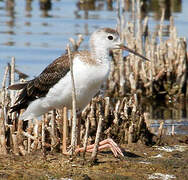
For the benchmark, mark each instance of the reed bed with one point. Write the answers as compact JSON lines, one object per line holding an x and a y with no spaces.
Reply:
{"x":117,"y":110}
{"x":164,"y":76}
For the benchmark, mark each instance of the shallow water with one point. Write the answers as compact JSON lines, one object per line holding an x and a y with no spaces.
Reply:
{"x":35,"y":36}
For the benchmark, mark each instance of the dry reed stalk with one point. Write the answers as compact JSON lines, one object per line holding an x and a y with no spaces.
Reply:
{"x":145,"y":29}
{"x":65,"y":131}
{"x":140,"y":125}
{"x":97,"y":139}
{"x":121,"y":26}
{"x":76,"y":44}
{"x":116,"y":112}
{"x":52,"y":130}
{"x":86,"y":136}
{"x":3,"y":146}
{"x":139,"y":25}
{"x":118,"y":10}
{"x":160,"y":33}
{"x":74,"y":128}
{"x":78,"y":130}
{"x":22,"y":150}
{"x":92,"y":114}
{"x":107,"y":107}
{"x":20,"y":136}
{"x":160,"y":130}
{"x":147,"y":120}
{"x":131,"y":134}
{"x":133,"y":15}
{"x":4,"y":99}
{"x":29,"y":136}
{"x":12,"y":79}
{"x":43,"y":133}
{"x":35,"y":143}
{"x":15,"y":147}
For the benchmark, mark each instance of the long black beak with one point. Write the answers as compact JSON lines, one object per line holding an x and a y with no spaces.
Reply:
{"x":133,"y":52}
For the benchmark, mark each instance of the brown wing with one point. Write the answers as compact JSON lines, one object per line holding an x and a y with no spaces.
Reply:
{"x":40,"y":86}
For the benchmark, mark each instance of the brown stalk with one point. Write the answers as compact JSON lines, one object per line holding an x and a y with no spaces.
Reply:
{"x":74,"y":128}
{"x":97,"y":139}
{"x":65,"y":131}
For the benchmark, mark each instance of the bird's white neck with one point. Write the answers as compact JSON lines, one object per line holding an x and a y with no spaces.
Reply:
{"x":100,"y":54}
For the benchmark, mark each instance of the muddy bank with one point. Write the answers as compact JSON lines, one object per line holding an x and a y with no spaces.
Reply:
{"x":169,"y":161}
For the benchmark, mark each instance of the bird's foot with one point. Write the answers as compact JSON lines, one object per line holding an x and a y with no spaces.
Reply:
{"x":107,"y":143}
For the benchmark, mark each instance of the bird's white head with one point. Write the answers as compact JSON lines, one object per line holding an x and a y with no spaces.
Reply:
{"x":105,"y":39}
{"x":102,"y":41}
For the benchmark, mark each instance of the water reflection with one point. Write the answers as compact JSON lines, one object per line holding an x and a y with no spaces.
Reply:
{"x":28,"y":8}
{"x":45,"y":7}
{"x":93,"y":5}
{"x":172,"y":114}
{"x":156,"y":7}
{"x":170,"y":6}
{"x":89,"y":5}
{"x":10,"y":5}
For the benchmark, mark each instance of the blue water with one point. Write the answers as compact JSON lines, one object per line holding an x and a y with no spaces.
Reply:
{"x":35,"y":40}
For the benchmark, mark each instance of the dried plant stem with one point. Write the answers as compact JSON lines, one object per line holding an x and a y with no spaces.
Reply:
{"x":107,"y":107}
{"x":12,"y":77}
{"x":160,"y":130}
{"x":133,"y":15}
{"x":15,"y":144}
{"x":78,"y":129}
{"x":97,"y":139}
{"x":76,"y":44}
{"x":131,"y":134}
{"x":161,"y":25}
{"x":86,"y":136}
{"x":65,"y":131}
{"x":3,"y":147}
{"x":29,"y":131}
{"x":43,"y":133}
{"x":139,"y":35}
{"x":4,"y":96}
{"x":74,"y":129}
{"x":36,"y":134}
{"x":52,"y":131}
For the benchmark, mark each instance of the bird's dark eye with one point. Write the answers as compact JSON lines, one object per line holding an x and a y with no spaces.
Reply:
{"x":110,"y":37}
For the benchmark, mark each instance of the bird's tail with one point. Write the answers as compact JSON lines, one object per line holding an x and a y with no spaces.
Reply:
{"x":20,"y":103}
{"x":17,"y":86}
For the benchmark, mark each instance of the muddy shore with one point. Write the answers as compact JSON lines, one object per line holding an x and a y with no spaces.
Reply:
{"x":169,"y":161}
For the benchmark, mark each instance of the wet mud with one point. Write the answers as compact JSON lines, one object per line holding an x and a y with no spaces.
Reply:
{"x":167,"y":161}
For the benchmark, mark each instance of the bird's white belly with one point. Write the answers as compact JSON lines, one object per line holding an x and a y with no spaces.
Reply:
{"x":88,"y":80}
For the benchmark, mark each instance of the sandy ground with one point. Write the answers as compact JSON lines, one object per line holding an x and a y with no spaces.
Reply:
{"x":169,"y":161}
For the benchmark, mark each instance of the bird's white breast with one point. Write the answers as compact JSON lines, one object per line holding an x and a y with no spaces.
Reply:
{"x":88,"y":80}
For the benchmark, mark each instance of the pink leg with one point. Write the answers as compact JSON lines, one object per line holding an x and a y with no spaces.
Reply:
{"x":107,"y":143}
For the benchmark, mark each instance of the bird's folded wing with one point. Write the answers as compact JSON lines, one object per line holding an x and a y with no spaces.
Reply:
{"x":39,"y":86}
